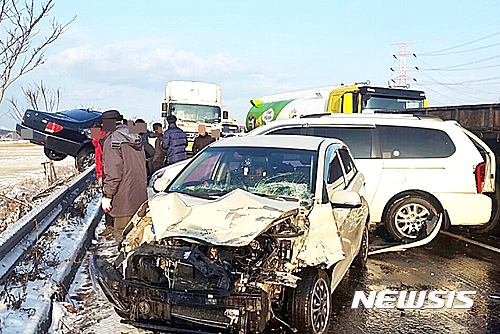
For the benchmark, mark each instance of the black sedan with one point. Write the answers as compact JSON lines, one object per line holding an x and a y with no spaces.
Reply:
{"x":62,"y":133}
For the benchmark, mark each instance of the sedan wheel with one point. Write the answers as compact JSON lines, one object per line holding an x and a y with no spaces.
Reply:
{"x":53,"y":155}
{"x":309,"y":305}
{"x":85,"y":158}
{"x":406,"y":217}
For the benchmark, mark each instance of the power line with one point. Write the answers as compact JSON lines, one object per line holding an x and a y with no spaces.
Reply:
{"x":447,"y":77}
{"x":462,"y":69}
{"x":462,"y":51}
{"x":466,"y":64}
{"x":463,"y":44}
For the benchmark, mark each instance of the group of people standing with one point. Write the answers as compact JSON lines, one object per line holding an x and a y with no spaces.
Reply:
{"x":126,"y":155}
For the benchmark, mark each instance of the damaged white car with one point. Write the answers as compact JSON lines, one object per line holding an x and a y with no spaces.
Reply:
{"x":254,"y":231}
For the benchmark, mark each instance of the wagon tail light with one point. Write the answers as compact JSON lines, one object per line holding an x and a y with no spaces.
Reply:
{"x":53,"y":127}
{"x":480,"y":176}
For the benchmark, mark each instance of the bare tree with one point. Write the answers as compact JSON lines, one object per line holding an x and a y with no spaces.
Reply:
{"x":37,"y":97}
{"x":19,"y":52}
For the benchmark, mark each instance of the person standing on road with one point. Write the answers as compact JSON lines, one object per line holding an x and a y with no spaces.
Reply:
{"x":203,"y":139}
{"x":174,"y":141}
{"x":124,"y":172}
{"x":96,"y":134}
{"x":155,"y":139}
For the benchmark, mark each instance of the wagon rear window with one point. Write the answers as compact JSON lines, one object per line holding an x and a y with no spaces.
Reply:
{"x":409,"y":142}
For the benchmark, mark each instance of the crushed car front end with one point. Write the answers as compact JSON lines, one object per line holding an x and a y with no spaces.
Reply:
{"x":187,"y":284}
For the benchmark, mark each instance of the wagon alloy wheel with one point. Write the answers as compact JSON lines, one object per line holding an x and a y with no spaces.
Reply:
{"x":308,"y":306}
{"x":407,"y":216}
{"x":320,"y":306}
{"x":410,"y":219}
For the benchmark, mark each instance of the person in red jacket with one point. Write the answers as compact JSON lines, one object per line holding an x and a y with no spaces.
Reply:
{"x":96,"y":133}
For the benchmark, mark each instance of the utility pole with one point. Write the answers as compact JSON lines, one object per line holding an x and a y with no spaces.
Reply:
{"x":401,"y":80}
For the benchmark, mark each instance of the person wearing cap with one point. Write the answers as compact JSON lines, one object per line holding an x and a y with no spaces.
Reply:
{"x":174,"y":141}
{"x":124,"y":171}
{"x":203,"y":139}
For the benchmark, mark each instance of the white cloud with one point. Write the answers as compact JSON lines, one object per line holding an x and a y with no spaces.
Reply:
{"x":282,"y":82}
{"x":138,"y":62}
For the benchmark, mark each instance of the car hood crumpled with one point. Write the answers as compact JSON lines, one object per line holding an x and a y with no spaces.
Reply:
{"x":234,"y":219}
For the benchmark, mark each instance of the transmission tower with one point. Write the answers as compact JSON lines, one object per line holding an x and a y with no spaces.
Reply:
{"x":401,"y":80}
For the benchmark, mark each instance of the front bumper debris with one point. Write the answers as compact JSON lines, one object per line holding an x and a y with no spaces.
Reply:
{"x":156,"y":308}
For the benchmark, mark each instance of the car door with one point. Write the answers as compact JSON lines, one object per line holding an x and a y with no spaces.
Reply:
{"x":336,"y":180}
{"x":354,"y":222}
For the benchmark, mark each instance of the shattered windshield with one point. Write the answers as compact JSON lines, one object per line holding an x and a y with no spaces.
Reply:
{"x":284,"y":174}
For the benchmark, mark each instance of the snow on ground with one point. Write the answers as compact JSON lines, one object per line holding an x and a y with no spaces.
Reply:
{"x":21,"y":160}
{"x":87,"y":310}
{"x":25,"y":299}
{"x":22,"y":176}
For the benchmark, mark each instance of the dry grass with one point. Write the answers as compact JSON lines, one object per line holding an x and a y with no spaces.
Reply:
{"x":16,"y":200}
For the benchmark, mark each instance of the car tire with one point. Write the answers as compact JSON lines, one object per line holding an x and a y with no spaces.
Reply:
{"x":406,"y":216}
{"x":359,"y":262}
{"x":85,"y":158}
{"x":309,"y":305}
{"x":53,"y":155}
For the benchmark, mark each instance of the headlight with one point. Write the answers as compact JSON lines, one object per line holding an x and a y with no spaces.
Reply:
{"x":158,"y":174}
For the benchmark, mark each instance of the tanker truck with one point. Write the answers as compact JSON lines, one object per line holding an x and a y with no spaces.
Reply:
{"x":357,"y":98}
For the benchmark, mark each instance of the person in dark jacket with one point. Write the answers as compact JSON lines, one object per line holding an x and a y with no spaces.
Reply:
{"x":174,"y":141}
{"x":203,"y":139}
{"x":142,"y":128}
{"x":155,"y":139}
{"x":124,"y":173}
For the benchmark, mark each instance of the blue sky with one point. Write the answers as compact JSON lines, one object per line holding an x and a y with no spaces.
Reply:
{"x":120,"y":54}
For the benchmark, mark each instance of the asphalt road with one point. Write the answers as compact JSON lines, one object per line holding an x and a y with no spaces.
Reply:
{"x":444,"y":264}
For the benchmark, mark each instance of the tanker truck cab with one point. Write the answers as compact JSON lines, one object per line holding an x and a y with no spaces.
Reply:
{"x":363,"y":98}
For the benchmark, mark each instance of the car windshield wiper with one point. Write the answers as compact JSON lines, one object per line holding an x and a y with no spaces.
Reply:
{"x":272,"y":196}
{"x":199,"y":195}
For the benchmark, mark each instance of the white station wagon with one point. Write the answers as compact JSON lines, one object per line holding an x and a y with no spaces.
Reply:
{"x":415,"y":167}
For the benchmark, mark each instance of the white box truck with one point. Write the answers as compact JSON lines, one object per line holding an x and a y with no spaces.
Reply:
{"x":193,"y":103}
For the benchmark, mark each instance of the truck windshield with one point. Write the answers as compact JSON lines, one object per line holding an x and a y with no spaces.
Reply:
{"x":196,"y":113}
{"x":226,"y":128}
{"x":387,"y":103}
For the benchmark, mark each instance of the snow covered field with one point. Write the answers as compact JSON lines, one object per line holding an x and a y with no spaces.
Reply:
{"x":20,"y":160}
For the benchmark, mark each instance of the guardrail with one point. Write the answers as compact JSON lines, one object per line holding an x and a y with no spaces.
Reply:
{"x":21,"y":236}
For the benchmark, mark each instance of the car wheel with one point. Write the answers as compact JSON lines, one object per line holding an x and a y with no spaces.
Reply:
{"x":53,"y":155}
{"x":407,"y":216}
{"x":309,"y":304}
{"x":85,"y":158}
{"x":360,"y":260}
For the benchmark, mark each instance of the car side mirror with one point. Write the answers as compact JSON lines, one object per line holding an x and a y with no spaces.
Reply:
{"x":161,"y":184}
{"x":345,"y":199}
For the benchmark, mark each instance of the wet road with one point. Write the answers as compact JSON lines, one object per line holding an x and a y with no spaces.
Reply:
{"x":444,"y":264}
